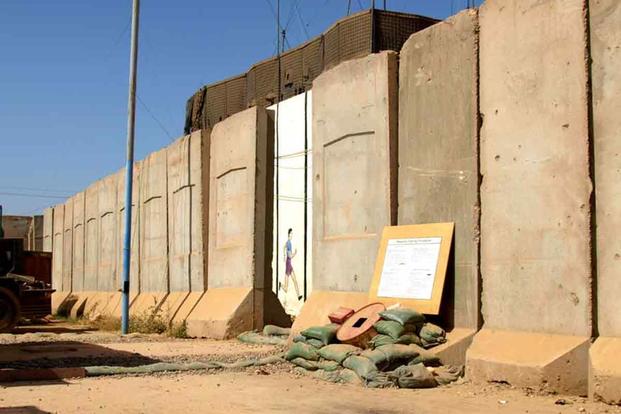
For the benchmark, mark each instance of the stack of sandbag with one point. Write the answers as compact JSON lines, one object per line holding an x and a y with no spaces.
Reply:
{"x":398,"y":356}
{"x":406,"y":326}
{"x":271,"y":335}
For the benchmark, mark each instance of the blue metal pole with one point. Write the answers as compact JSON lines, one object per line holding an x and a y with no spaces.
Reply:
{"x":129,"y":167}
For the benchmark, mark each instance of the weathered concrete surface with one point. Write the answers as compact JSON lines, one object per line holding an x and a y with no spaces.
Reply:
{"x":134,"y":273}
{"x":77,"y":268}
{"x":57,"y":247}
{"x":240,"y":206}
{"x":48,"y":229}
{"x":354,"y":154}
{"x":438,"y":149}
{"x":187,"y":158}
{"x":35,"y":241}
{"x":153,"y":224}
{"x":91,"y":237}
{"x":107,"y":280}
{"x":605,"y":370}
{"x":222,"y":313}
{"x":523,"y":359}
{"x":605,"y":29}
{"x":535,"y":248}
{"x":67,"y":260}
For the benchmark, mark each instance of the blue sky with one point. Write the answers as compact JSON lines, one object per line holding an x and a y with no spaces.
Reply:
{"x":64,"y":70}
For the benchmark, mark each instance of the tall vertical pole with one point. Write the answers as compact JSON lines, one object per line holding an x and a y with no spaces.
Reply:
{"x":277,"y":154}
{"x":129,"y":166}
{"x":384,"y":4}
{"x":373,"y":4}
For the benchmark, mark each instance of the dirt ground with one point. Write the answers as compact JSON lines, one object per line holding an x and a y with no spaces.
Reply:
{"x":247,"y":392}
{"x":269,"y":389}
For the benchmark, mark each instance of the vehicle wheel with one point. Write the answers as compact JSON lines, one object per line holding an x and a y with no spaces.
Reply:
{"x":9,"y":310}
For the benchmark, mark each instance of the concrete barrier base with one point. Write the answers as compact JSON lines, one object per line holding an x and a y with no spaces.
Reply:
{"x":186,"y":307}
{"x":59,"y":303}
{"x":524,"y":359}
{"x":147,"y":303}
{"x":605,"y":370}
{"x":77,"y":303}
{"x":453,"y":352}
{"x":323,"y":302}
{"x":177,"y":305}
{"x":114,"y":308}
{"x":221,"y":313}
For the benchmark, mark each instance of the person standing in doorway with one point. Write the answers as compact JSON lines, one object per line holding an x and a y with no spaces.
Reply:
{"x":289,"y":254}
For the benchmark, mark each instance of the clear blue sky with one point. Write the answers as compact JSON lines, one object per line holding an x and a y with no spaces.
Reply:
{"x":64,"y":74}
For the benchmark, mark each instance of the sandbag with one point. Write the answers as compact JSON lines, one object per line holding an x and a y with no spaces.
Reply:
{"x":409,"y":339}
{"x":449,"y":373}
{"x":404,"y":316}
{"x":341,"y":376}
{"x":337,"y":352}
{"x":252,"y":337}
{"x":390,"y":356}
{"x":379,"y":340}
{"x":315,"y":365}
{"x":432,"y":333}
{"x":390,"y":328}
{"x":315,"y":343}
{"x":326,"y":334}
{"x":302,"y":350}
{"x":425,"y":357}
{"x":273,"y":330}
{"x":362,"y":366}
{"x":413,"y":376}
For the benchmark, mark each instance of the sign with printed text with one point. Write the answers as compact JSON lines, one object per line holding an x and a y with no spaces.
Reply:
{"x":411,"y":266}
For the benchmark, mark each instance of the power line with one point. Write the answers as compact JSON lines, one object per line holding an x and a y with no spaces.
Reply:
{"x":302,"y":22}
{"x":159,"y":123}
{"x":33,"y":195}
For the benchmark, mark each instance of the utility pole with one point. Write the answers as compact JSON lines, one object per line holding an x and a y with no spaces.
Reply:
{"x":373,"y":4}
{"x":129,"y":167}
{"x":384,"y":4}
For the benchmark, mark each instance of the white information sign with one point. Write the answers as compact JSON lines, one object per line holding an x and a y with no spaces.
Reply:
{"x":410,"y":268}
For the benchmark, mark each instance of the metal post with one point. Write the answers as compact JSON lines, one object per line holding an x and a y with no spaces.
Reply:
{"x":373,"y":4}
{"x":129,"y":168}
{"x":384,"y":4}
{"x":277,"y":153}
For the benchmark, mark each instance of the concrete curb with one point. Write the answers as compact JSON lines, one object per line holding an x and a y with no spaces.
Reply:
{"x":40,"y":374}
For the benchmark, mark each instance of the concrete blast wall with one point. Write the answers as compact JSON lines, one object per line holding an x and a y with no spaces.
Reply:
{"x":48,"y":229}
{"x":605,"y":30}
{"x":154,"y":224}
{"x":134,"y":273}
{"x":107,"y":280}
{"x":91,"y":237}
{"x":239,"y":295}
{"x":354,"y":185}
{"x":77,"y":268}
{"x":185,"y":214}
{"x":67,"y":249}
{"x":438,"y":148}
{"x":535,"y":247}
{"x":58,"y":214}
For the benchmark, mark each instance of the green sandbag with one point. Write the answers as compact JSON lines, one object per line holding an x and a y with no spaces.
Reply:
{"x":432,"y":333}
{"x":341,"y":376}
{"x":449,"y":373}
{"x":390,"y":356}
{"x":256,"y":338}
{"x":315,"y":343}
{"x":379,"y":340}
{"x":273,"y":330}
{"x":315,"y":365}
{"x":326,"y":334}
{"x":337,"y":352}
{"x":382,"y":380}
{"x":425,"y":357}
{"x":414,"y":376}
{"x":409,"y":339}
{"x":302,"y":350}
{"x":390,"y":328}
{"x":362,"y":366}
{"x":404,"y":316}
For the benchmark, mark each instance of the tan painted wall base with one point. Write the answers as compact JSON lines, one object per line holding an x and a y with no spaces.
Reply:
{"x":524,"y":359}
{"x":59,"y":300}
{"x":323,"y":302}
{"x":147,"y":302}
{"x":605,"y":370}
{"x":221,"y":313}
{"x":453,"y":352}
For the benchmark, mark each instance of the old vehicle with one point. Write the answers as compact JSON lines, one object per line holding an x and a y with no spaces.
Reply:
{"x":25,"y":276}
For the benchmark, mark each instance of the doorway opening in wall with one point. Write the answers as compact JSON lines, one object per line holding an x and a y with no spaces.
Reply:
{"x":292,"y":249}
